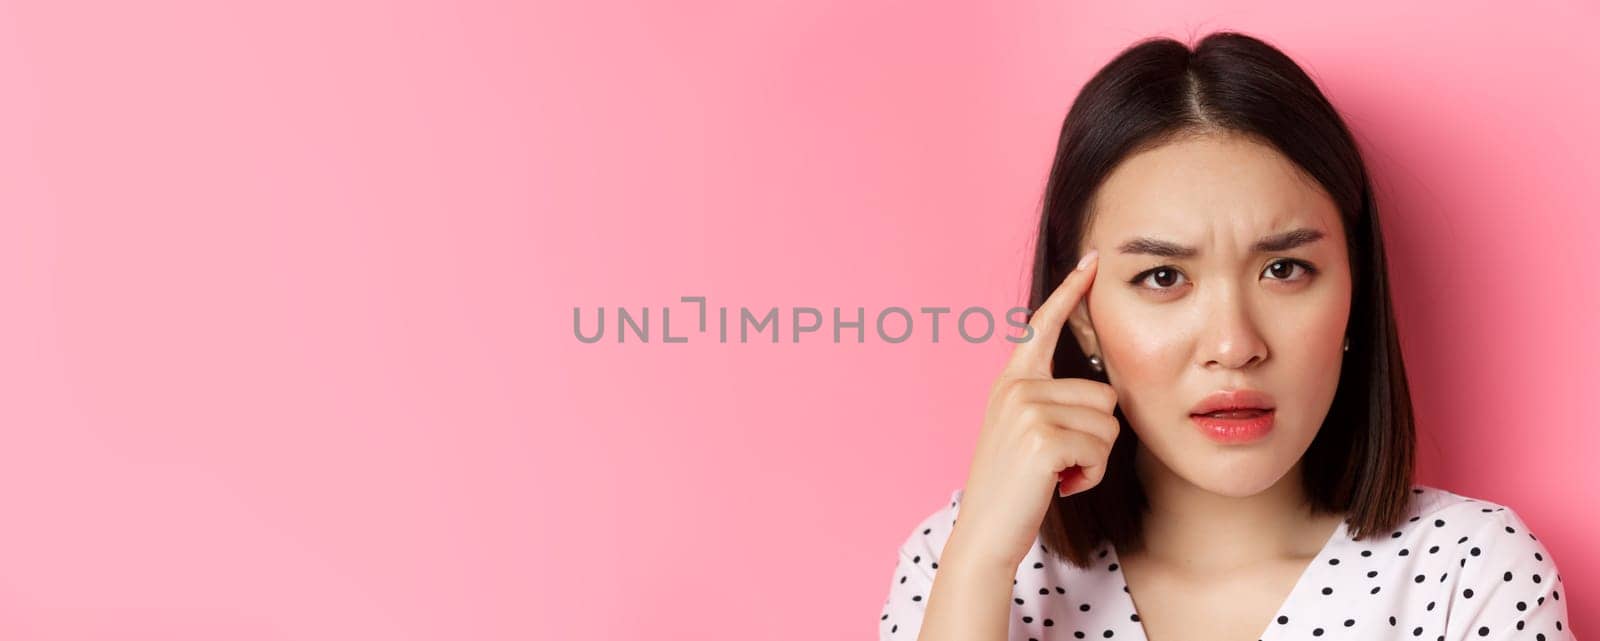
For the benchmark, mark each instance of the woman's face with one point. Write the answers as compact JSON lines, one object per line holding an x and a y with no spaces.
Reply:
{"x":1174,"y":325}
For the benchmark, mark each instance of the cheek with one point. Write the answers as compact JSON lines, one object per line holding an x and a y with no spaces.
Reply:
{"x":1312,"y":355}
{"x":1145,"y":356}
{"x":1140,"y":347}
{"x":1313,"y":331}
{"x":1315,"y":334}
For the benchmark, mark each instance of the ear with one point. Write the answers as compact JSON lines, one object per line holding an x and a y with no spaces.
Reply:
{"x":1082,"y":328}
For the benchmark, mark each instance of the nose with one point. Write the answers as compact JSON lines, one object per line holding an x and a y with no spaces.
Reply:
{"x":1231,"y":338}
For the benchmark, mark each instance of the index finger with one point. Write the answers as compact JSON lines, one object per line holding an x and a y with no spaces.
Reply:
{"x":1032,"y":357}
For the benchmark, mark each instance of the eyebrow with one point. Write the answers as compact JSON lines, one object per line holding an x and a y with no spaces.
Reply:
{"x":1273,"y":243}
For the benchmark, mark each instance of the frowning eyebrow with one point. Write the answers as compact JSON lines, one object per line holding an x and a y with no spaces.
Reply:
{"x":1274,"y":243}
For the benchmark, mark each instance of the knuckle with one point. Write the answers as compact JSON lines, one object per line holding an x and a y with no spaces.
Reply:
{"x":1014,"y":392}
{"x":1108,"y":393}
{"x":1031,"y":414}
{"x":1102,"y":430}
{"x":1087,"y":446}
{"x":1103,"y":449}
{"x":1113,"y":428}
{"x":1001,"y":388}
{"x":1036,"y":442}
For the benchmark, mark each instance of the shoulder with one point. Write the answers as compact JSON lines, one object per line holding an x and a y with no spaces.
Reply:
{"x":1460,"y":539}
{"x":1443,"y":509}
{"x":1480,"y":526}
{"x":1431,"y":504}
{"x":923,"y":544}
{"x":914,"y":571}
{"x":1509,"y":581}
{"x":1494,"y":527}
{"x":1495,"y":547}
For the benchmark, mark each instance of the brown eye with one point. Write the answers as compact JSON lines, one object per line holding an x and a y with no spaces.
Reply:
{"x":1160,"y":278}
{"x":1284,"y":269}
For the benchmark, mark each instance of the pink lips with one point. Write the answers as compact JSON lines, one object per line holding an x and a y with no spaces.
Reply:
{"x":1234,"y":416}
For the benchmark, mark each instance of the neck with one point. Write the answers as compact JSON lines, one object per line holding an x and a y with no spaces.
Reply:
{"x":1195,"y":528}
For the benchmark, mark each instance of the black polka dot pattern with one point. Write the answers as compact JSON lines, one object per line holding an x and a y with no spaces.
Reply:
{"x":1456,"y":568}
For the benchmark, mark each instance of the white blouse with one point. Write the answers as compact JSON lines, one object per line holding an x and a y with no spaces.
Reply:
{"x":1457,"y":568}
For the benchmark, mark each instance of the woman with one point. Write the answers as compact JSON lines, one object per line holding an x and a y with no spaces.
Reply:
{"x":1210,"y":273}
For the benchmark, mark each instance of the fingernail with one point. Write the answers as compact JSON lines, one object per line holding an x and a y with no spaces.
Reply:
{"x":1084,"y":262}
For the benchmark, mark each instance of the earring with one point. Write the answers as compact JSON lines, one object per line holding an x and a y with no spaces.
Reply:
{"x":1095,"y":364}
{"x":1347,"y":343}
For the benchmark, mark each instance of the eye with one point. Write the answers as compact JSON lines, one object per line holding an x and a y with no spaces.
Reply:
{"x":1281,"y":269}
{"x":1163,"y":278}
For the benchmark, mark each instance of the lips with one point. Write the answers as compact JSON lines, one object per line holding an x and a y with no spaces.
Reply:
{"x":1239,"y":403}
{"x":1236,"y":413}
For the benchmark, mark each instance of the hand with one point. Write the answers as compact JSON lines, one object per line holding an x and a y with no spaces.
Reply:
{"x":1038,"y":432}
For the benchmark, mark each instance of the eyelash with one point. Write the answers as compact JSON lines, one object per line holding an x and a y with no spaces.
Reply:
{"x":1309,"y":269}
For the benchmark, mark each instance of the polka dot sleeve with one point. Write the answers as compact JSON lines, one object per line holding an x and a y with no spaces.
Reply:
{"x":1510,"y":587}
{"x":909,"y":586}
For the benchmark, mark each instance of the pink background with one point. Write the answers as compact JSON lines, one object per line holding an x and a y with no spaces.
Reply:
{"x":288,"y":349}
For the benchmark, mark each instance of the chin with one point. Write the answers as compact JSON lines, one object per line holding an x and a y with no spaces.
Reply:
{"x":1236,"y":472}
{"x":1237,"y":486}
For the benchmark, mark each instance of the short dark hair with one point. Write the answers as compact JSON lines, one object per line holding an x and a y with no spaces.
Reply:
{"x":1158,"y":90}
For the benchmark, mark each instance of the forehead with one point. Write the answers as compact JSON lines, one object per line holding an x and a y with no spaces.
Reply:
{"x":1206,"y":188}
